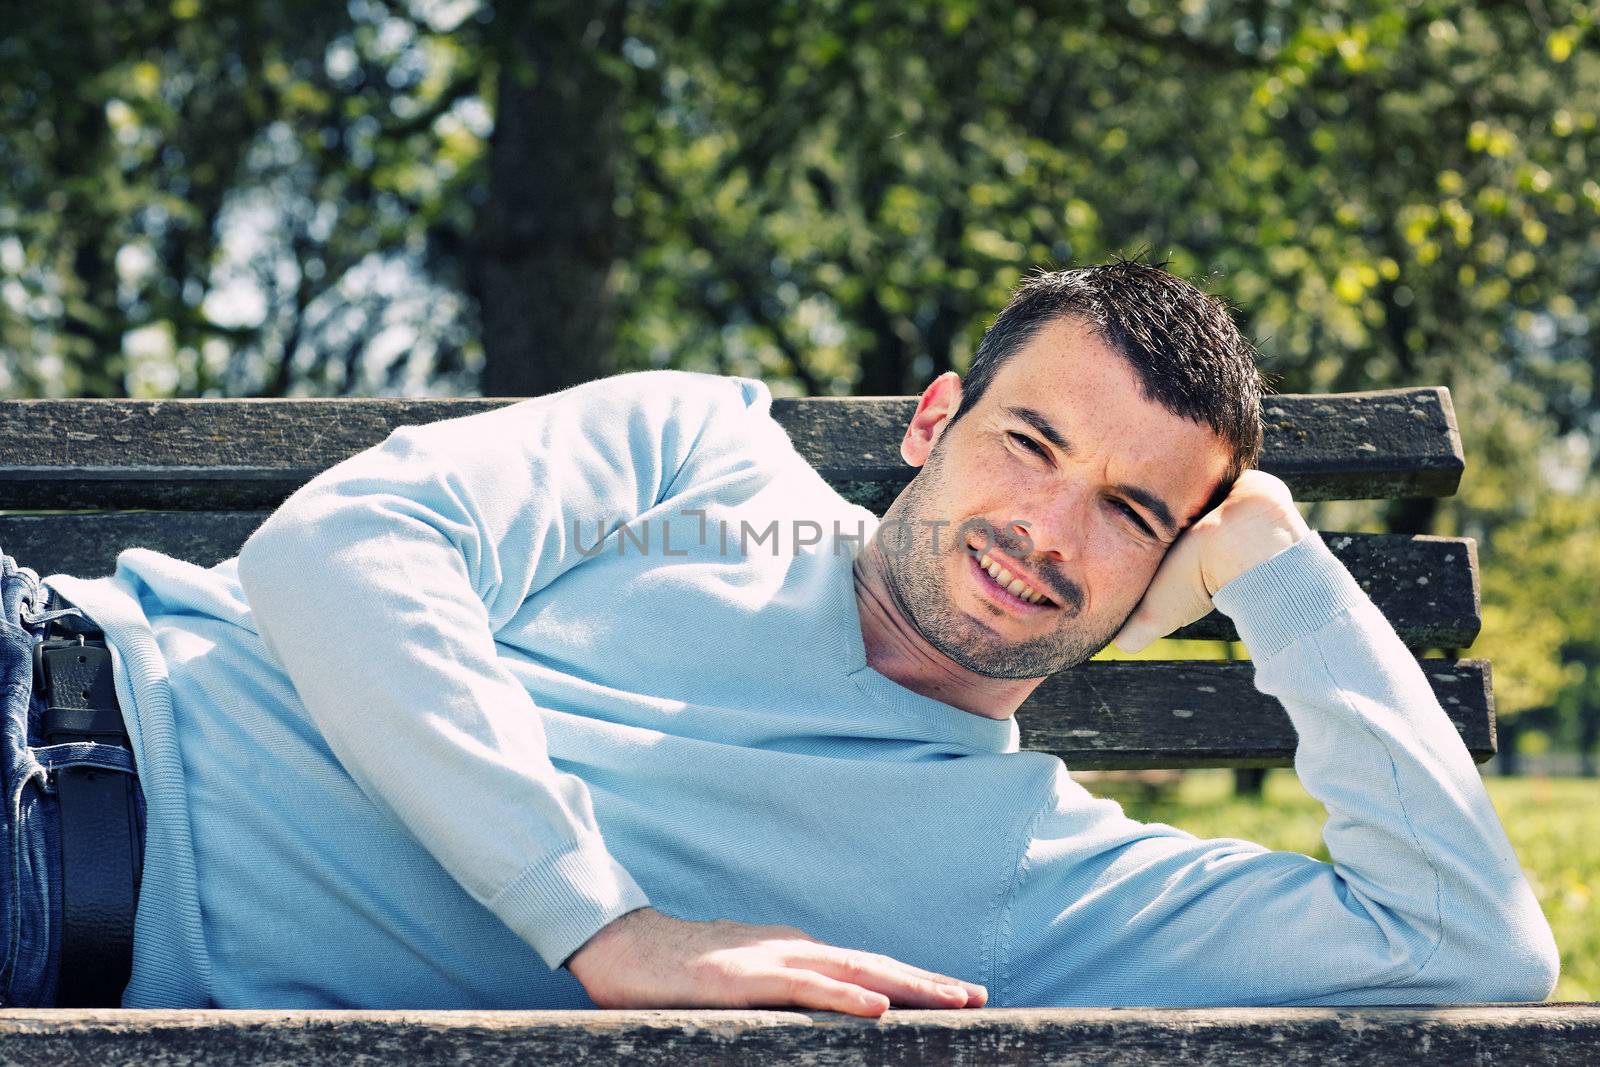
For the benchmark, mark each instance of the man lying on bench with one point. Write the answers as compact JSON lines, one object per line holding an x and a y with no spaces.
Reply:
{"x":562,"y":705}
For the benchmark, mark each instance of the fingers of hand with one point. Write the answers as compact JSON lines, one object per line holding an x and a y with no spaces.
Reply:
{"x":1259,"y":483}
{"x":728,"y":964}
{"x":808,"y":989}
{"x":1136,"y":634}
{"x":1179,"y":593}
{"x":1173,"y":600}
{"x":903,"y":983}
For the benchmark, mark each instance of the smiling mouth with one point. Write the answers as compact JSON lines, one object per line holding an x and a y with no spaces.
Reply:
{"x":1009,"y":588}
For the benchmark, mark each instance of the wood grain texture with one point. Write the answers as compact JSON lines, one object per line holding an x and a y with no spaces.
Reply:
{"x":86,"y":544}
{"x":1125,"y":714}
{"x":1335,"y":446}
{"x":1548,"y":1035}
{"x":228,"y":454}
{"x":1427,"y":587}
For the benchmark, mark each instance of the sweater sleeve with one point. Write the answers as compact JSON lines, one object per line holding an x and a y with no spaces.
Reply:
{"x":1423,"y":900}
{"x":380,"y":586}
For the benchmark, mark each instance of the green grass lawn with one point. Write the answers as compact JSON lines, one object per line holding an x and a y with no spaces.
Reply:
{"x":1554,"y":823}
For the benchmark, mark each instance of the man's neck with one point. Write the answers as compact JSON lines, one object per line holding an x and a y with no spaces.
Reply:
{"x":899,"y":652}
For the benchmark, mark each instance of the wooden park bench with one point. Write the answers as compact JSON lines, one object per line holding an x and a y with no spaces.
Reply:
{"x":193,"y":478}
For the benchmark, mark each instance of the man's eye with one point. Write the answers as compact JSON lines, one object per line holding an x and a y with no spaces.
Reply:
{"x":1029,"y":443}
{"x":1135,"y":516}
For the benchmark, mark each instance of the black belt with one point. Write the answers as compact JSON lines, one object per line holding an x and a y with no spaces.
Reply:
{"x":102,"y":850}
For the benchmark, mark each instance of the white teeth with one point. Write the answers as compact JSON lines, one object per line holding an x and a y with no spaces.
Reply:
{"x":1015,"y":586}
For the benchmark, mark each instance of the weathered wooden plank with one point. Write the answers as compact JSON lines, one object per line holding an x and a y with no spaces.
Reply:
{"x":86,"y":544}
{"x":1547,"y":1035}
{"x":191,"y":453}
{"x":1126,"y":714}
{"x":226,"y":454}
{"x":1336,"y":446}
{"x":1375,"y":445}
{"x":1426,"y":586}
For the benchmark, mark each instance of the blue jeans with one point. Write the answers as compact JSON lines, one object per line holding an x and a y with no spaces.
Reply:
{"x":30,"y":833}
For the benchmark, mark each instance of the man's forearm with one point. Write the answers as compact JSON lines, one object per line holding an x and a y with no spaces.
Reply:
{"x":1411,"y":830}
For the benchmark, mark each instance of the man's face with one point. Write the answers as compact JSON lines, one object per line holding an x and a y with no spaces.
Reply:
{"x":1084,"y":520}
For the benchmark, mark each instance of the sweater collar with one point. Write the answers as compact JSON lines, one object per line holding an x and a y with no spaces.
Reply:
{"x":941,"y":721}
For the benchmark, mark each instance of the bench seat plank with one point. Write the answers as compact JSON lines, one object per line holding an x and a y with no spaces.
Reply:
{"x":1426,"y":586}
{"x":1543,"y":1034}
{"x":224,"y":454}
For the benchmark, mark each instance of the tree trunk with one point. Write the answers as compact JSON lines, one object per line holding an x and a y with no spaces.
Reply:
{"x":1249,"y":781}
{"x":1506,"y":731}
{"x":1588,"y":735}
{"x":545,"y":237}
{"x":1411,"y":515}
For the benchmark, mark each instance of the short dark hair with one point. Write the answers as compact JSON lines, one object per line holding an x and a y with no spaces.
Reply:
{"x":1189,"y":355}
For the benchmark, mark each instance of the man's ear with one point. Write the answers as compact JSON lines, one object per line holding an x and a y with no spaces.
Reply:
{"x":939,"y":402}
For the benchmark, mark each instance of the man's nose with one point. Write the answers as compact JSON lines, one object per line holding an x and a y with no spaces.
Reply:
{"x":1053,"y":528}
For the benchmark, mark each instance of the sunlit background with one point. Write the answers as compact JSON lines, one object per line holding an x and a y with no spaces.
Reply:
{"x":399,"y":197}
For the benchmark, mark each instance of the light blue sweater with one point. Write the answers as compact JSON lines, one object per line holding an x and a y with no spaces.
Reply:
{"x":444,"y":717}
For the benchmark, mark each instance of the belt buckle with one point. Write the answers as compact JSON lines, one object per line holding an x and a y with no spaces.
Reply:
{"x":80,"y":694}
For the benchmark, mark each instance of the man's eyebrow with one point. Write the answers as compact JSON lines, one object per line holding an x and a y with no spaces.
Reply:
{"x":1152,"y":503}
{"x":1046,"y":429}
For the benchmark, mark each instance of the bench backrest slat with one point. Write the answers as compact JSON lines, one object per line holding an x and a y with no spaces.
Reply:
{"x":226,"y":454}
{"x":1205,"y":713}
{"x":1336,"y":446}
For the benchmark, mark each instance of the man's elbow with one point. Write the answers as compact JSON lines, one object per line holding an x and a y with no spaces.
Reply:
{"x":1521,"y":965}
{"x":1533,"y":967}
{"x":1531,"y":964}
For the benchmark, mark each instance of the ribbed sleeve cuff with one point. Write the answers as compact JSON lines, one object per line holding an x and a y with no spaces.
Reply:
{"x":559,"y":902}
{"x":1293,"y":594}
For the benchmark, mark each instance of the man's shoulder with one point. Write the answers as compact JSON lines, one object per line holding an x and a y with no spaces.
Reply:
{"x":680,"y":427}
{"x":633,"y":411}
{"x":674,"y":389}
{"x":709,"y":426}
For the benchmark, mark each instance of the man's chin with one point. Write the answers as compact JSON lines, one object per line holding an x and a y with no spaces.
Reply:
{"x":1017,"y":665}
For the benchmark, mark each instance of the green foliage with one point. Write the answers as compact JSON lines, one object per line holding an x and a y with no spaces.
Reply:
{"x":1554,"y":825}
{"x":194,"y":187}
{"x":1539,"y":610}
